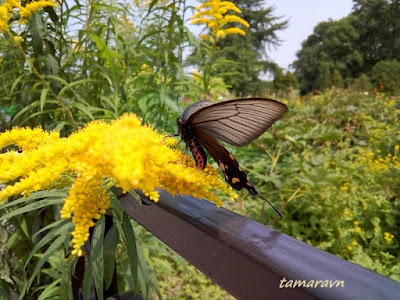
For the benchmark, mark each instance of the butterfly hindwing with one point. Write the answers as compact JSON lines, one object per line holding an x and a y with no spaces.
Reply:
{"x":233,"y":173}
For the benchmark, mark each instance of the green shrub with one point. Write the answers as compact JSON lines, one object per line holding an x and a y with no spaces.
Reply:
{"x":386,"y":76}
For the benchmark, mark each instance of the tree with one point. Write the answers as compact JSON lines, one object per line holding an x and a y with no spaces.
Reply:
{"x":352,"y":45}
{"x":337,"y":79}
{"x":324,"y":80}
{"x":362,"y":84}
{"x":332,"y":46}
{"x":378,"y":23}
{"x":284,"y":82}
{"x":386,"y":75}
{"x":251,"y":52}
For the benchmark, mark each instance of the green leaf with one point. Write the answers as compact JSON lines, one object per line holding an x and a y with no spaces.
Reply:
{"x":62,"y":229}
{"x":128,"y":236}
{"x":87,"y":283}
{"x":110,"y":245}
{"x":53,"y":247}
{"x":32,"y":206}
{"x":51,"y":290}
{"x":84,"y":108}
{"x":25,"y":109}
{"x":147,"y":273}
{"x":97,"y":256}
{"x":43,"y":97}
{"x":56,"y":78}
{"x":60,"y":126}
{"x":116,"y":208}
{"x":16,"y":81}
{"x":143,"y":102}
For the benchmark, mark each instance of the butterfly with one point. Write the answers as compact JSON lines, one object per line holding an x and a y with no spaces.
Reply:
{"x":236,"y":122}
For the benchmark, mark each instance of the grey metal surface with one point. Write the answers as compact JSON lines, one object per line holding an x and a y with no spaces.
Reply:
{"x":248,"y":259}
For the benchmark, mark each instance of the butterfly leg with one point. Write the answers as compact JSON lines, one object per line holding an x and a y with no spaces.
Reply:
{"x":170,"y":135}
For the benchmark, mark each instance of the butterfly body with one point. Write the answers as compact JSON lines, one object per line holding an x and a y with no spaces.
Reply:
{"x":236,"y":122}
{"x":198,"y":153}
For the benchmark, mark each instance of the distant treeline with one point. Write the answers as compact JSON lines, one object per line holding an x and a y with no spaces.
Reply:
{"x":361,"y":50}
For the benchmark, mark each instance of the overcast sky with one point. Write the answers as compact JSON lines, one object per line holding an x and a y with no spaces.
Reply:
{"x":303,"y":16}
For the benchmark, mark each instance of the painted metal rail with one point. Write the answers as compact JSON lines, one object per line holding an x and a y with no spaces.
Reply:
{"x":250,"y":260}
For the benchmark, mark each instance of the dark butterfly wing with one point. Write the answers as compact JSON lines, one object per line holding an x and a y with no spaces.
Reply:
{"x":234,"y":175}
{"x":191,"y":109}
{"x":236,"y":122}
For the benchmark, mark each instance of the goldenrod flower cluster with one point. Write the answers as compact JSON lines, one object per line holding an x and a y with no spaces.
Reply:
{"x":357,"y":228}
{"x":122,"y":152}
{"x":379,"y":163}
{"x":347,"y":213}
{"x":350,"y":247}
{"x":214,"y":14}
{"x":10,"y":8}
{"x":345,"y":187}
{"x":388,"y":237}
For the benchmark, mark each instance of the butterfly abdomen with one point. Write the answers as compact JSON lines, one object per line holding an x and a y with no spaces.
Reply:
{"x":198,"y":153}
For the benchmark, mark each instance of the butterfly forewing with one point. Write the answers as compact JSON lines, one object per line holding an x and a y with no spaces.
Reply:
{"x":191,"y":109}
{"x":236,"y":122}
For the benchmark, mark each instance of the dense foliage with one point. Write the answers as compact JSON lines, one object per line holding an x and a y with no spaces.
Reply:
{"x":351,"y":47}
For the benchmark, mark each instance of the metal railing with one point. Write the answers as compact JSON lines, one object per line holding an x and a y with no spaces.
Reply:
{"x":250,"y":260}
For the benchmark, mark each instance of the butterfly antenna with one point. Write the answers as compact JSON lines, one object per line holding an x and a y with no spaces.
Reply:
{"x":277,"y":211}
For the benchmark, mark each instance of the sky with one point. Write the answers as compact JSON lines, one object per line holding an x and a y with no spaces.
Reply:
{"x":303,"y":16}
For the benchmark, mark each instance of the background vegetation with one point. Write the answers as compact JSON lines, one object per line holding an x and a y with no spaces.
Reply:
{"x":331,"y":165}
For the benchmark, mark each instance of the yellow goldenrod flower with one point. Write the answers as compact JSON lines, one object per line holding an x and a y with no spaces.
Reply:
{"x":5,"y":16}
{"x":9,"y":8}
{"x":350,"y":248}
{"x":18,"y":39}
{"x":123,"y":152}
{"x":214,"y":14}
{"x":388,"y":237}
{"x":344,"y":187}
{"x":357,"y":229}
{"x":26,"y":12}
{"x":347,"y":213}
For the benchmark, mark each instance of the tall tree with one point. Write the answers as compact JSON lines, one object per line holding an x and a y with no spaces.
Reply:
{"x":332,"y":46}
{"x":378,"y":23}
{"x":251,"y":52}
